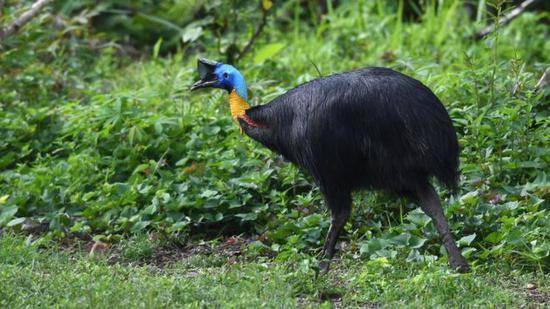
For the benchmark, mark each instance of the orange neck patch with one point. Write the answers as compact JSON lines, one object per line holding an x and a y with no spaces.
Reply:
{"x":237,"y":105}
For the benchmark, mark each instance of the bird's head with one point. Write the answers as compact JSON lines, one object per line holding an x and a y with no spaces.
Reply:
{"x":220,"y":75}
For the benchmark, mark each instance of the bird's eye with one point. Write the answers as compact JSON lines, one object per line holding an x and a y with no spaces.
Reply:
{"x":225,"y":75}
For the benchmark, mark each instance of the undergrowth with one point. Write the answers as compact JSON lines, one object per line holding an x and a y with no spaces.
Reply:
{"x":95,"y":143}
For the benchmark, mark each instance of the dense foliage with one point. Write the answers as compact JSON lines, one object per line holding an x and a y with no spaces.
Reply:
{"x":99,"y":135}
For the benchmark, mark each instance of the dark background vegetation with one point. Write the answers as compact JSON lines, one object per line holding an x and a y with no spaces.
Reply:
{"x":99,"y":136}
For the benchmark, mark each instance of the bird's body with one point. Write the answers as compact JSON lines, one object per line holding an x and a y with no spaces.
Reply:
{"x":371,"y":128}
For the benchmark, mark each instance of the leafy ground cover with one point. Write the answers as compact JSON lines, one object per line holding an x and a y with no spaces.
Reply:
{"x":101,"y":140}
{"x":42,"y":274}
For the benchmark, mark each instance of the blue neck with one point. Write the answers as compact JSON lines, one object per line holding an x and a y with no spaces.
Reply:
{"x":240,"y":86}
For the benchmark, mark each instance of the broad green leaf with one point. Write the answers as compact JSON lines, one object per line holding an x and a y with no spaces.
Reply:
{"x":401,"y":239}
{"x":469,"y":198}
{"x":416,"y":242}
{"x":467,"y":252}
{"x":16,"y":221}
{"x":374,"y":245}
{"x":191,"y":34}
{"x":268,"y":51}
{"x":7,"y":213}
{"x":209,"y":193}
{"x":140,"y":225}
{"x":178,"y":226}
{"x":149,"y":210}
{"x":248,"y":216}
{"x":493,"y":237}
{"x":466,"y":240}
{"x":418,"y":217}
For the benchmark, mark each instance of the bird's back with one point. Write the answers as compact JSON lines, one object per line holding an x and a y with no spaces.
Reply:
{"x":372,"y":127}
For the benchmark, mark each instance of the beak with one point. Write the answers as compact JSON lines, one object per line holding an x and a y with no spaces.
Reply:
{"x":203,"y":84}
{"x":206,"y":72}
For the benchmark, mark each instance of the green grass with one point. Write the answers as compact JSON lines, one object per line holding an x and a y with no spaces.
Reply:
{"x":40,"y":274}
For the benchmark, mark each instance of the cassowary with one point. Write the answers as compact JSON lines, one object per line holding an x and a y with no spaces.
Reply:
{"x":371,"y":128}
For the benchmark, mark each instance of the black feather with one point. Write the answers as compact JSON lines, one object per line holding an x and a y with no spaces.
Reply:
{"x":371,"y":128}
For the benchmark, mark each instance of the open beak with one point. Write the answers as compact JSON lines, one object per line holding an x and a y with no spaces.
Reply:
{"x":206,"y":72}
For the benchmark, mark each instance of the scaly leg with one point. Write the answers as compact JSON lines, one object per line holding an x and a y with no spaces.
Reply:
{"x":430,"y":204}
{"x":340,"y":208}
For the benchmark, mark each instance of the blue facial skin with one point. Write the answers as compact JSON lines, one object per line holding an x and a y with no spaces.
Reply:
{"x":230,"y":78}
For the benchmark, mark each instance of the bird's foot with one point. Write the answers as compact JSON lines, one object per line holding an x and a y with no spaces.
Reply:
{"x":324,"y":266}
{"x":459,"y":264}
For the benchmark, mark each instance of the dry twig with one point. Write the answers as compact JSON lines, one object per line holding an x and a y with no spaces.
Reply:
{"x":254,"y":36}
{"x":23,"y":19}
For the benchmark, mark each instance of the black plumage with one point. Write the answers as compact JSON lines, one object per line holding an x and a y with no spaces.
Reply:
{"x":371,"y":128}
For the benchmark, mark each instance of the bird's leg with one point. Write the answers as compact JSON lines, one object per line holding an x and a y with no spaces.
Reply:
{"x":340,"y":208}
{"x":430,"y":204}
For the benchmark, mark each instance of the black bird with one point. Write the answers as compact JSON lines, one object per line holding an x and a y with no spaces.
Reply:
{"x":372,"y":128}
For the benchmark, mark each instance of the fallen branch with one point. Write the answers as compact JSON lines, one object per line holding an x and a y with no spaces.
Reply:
{"x":20,"y":21}
{"x":505,"y":20}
